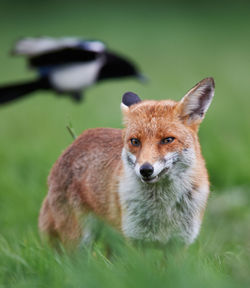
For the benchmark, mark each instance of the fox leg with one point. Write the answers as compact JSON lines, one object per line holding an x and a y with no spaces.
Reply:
{"x":91,"y":230}
{"x":59,"y":222}
{"x":46,"y":224}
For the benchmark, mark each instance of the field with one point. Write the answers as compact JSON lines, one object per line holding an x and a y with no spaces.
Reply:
{"x":175,"y":47}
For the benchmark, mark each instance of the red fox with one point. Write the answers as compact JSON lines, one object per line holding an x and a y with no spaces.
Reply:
{"x":148,"y":180}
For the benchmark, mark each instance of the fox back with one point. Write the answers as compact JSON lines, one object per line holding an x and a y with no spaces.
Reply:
{"x":148,"y":180}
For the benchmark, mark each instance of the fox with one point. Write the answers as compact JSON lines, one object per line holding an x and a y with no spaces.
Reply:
{"x":148,"y":180}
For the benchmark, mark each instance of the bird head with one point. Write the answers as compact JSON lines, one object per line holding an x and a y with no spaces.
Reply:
{"x":118,"y":67}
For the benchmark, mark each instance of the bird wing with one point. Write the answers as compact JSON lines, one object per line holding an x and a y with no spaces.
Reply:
{"x":51,"y":52}
{"x":36,"y":46}
{"x":63,"y":57}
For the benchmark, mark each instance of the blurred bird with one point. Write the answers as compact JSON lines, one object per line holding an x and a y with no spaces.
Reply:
{"x":67,"y":66}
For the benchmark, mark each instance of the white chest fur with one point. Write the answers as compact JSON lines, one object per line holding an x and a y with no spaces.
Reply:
{"x":160,"y":211}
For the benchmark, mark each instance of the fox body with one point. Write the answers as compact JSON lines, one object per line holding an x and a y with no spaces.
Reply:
{"x":148,"y":180}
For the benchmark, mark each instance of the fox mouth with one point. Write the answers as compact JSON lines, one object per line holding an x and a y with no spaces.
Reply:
{"x":154,"y":179}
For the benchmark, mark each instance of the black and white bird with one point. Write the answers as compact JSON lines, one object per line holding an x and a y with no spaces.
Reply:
{"x":67,"y":66}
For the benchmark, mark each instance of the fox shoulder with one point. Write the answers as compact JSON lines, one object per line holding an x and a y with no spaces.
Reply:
{"x":93,"y":148}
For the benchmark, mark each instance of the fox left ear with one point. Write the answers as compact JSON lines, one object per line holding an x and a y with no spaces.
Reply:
{"x":128,"y":99}
{"x":195,"y":103}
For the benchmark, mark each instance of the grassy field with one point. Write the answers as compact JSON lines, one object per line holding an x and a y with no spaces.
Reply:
{"x":175,"y":46}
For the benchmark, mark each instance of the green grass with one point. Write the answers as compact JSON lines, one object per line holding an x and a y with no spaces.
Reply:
{"x":175,"y":46}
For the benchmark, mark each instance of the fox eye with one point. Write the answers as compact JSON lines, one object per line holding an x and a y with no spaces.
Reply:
{"x":167,"y":140}
{"x":135,"y":142}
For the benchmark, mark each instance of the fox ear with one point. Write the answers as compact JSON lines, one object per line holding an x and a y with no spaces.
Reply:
{"x":195,"y":103}
{"x":128,"y":99}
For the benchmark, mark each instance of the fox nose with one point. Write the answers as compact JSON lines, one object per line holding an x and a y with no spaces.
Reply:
{"x":146,"y":170}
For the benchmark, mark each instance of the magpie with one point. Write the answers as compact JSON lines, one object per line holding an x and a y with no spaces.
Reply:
{"x":67,"y":66}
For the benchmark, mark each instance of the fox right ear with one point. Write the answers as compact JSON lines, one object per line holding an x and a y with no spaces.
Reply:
{"x":128,"y":99}
{"x":195,"y":103}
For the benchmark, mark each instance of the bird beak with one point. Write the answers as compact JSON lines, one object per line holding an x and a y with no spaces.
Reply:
{"x":142,"y":78}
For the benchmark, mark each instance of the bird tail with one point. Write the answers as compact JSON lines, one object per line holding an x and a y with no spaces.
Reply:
{"x":13,"y":92}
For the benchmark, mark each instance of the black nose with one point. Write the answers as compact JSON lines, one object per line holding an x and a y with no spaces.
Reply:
{"x":146,"y":170}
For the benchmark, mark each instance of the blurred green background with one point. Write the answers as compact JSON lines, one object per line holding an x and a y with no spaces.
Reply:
{"x":175,"y":44}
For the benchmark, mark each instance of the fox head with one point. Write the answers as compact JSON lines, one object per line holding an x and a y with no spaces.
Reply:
{"x":160,"y":137}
